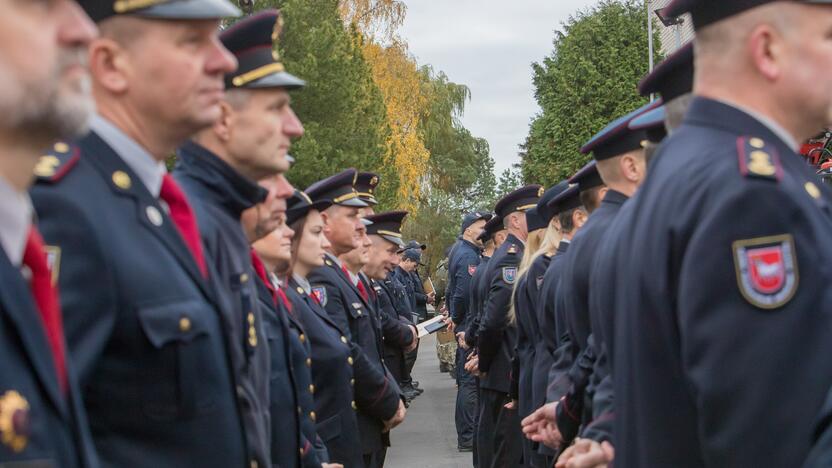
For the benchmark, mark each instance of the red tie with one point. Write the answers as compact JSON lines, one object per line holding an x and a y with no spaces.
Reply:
{"x":260,"y":269}
{"x":361,"y":289}
{"x":183,"y":217}
{"x":46,"y":298}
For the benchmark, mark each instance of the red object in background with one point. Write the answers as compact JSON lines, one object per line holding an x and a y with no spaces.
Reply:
{"x":817,"y":149}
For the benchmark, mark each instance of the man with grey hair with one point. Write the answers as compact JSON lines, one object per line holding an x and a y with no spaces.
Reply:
{"x":45,"y":97}
{"x":722,"y":289}
{"x":143,"y":322}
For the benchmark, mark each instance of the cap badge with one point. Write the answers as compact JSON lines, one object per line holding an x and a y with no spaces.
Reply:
{"x":540,"y":192}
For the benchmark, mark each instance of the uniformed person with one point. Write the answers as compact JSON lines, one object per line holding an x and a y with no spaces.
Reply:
{"x":498,"y":434}
{"x":541,"y":245}
{"x":672,"y":79}
{"x":334,"y":360}
{"x":350,"y":308}
{"x":366,"y":184}
{"x":464,"y":263}
{"x":42,"y":420}
{"x":619,"y":153}
{"x":723,"y":259}
{"x":422,"y":298}
{"x":402,"y":292}
{"x":144,"y":324}
{"x":384,"y":234}
{"x":294,"y":436}
{"x":219,"y":169}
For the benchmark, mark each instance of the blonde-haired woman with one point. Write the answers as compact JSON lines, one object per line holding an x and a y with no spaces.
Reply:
{"x":543,"y":240}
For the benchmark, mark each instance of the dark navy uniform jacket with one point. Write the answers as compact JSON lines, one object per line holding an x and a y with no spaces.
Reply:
{"x":294,"y":441}
{"x":336,"y":365}
{"x":390,"y":307}
{"x":575,"y":287}
{"x":404,"y":285}
{"x":497,"y":337}
{"x":555,"y":339}
{"x":471,"y":326}
{"x":528,"y":330}
{"x":377,"y":401}
{"x":723,"y":337}
{"x":461,"y":268}
{"x":144,"y":329}
{"x":57,"y":431}
{"x":421,"y":306}
{"x":219,"y":195}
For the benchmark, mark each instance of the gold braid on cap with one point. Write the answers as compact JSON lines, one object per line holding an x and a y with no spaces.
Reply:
{"x":124,"y":6}
{"x":257,"y":73}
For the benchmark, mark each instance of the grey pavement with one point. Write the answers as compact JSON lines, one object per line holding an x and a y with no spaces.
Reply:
{"x":427,"y":437}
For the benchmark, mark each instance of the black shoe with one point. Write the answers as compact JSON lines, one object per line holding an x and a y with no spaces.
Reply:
{"x":465,"y":448}
{"x":419,"y":391}
{"x":414,"y":383}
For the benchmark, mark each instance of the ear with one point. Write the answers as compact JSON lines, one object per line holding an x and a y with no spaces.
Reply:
{"x":224,"y":127}
{"x":629,"y":167}
{"x":109,"y":65}
{"x":766,"y":49}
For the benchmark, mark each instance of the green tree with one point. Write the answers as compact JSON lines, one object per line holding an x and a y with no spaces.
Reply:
{"x":342,"y":110}
{"x":589,"y":79}
{"x":511,"y":179}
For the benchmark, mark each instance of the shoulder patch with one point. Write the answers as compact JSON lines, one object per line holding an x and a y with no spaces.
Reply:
{"x":319,"y":292}
{"x":758,"y":159}
{"x":55,"y":164}
{"x":512,"y":249}
{"x":767,"y":274}
{"x":509,"y":274}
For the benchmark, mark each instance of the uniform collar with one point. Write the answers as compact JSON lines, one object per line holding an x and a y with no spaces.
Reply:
{"x":15,"y":221}
{"x":303,"y":283}
{"x":711,"y":113}
{"x":770,"y":124}
{"x":615,"y":197}
{"x":221,"y":183}
{"x":139,"y":160}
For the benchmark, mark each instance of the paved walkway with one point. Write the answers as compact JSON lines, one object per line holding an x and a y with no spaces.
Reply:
{"x":427,"y":438}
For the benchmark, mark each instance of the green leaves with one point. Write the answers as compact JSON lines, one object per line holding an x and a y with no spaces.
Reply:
{"x":589,"y":79}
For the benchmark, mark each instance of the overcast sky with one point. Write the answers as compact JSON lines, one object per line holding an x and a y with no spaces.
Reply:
{"x":489,"y":46}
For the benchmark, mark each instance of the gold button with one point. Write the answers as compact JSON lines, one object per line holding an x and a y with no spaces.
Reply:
{"x":308,"y":362}
{"x":250,"y":318}
{"x":354,"y":406}
{"x":243,"y":277}
{"x":122,"y":180}
{"x":311,"y":389}
{"x":312,"y":416}
{"x":301,"y":451}
{"x":812,"y":190}
{"x":300,"y":290}
{"x":344,"y":339}
{"x":184,"y":324}
{"x":352,"y":382}
{"x":756,"y":143}
{"x":61,"y":147}
{"x":349,"y":360}
{"x":302,"y":338}
{"x":252,"y":337}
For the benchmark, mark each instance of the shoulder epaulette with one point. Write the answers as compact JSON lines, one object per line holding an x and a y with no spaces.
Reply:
{"x":512,"y":249}
{"x":758,"y":159}
{"x":55,"y":164}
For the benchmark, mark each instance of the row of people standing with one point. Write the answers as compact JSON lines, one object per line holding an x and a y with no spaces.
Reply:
{"x":212,"y":316}
{"x":668,"y":309}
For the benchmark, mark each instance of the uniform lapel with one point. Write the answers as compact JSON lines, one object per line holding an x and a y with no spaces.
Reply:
{"x":17,"y":302}
{"x":149,"y":212}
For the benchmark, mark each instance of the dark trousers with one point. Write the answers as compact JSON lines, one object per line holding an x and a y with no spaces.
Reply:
{"x":375,"y":459}
{"x":498,"y":434}
{"x":409,"y":362}
{"x":466,"y":402}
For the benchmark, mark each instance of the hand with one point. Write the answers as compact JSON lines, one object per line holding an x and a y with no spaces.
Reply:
{"x":541,"y":426}
{"x":431,"y":298}
{"x":397,"y":418}
{"x":450,"y":323}
{"x":472,"y":366}
{"x":331,"y":465}
{"x":585,"y":453}
{"x":415,"y":342}
{"x":512,"y":405}
{"x":460,"y":340}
